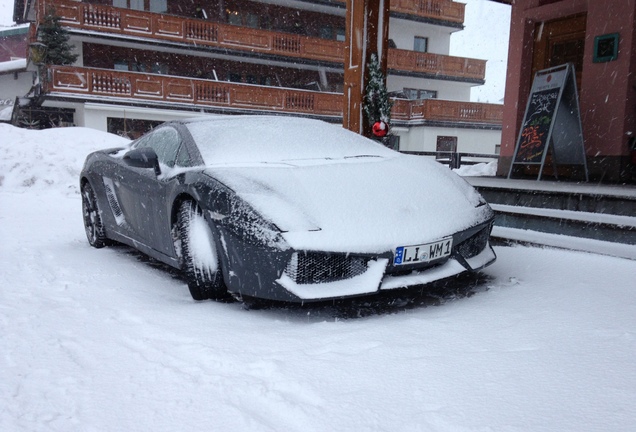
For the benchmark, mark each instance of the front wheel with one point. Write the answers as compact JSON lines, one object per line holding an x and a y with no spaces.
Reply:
{"x":199,"y":259}
{"x":93,"y":224}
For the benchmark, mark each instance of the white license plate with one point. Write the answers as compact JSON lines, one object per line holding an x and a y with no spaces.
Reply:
{"x":423,"y":253}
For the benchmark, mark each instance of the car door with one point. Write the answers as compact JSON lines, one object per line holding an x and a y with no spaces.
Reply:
{"x":142,"y":194}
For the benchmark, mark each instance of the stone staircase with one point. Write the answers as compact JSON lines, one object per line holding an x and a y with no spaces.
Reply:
{"x":594,"y":218}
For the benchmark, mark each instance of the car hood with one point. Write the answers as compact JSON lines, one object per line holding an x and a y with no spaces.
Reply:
{"x":361,"y":204}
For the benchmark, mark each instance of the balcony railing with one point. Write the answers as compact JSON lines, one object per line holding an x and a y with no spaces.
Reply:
{"x":170,"y":28}
{"x":427,"y":63}
{"x":443,"y":10}
{"x":140,"y":87}
{"x":445,"y":111}
{"x":173,"y":28}
{"x":87,"y":83}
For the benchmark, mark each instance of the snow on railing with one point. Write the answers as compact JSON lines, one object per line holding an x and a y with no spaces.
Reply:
{"x":142,"y":86}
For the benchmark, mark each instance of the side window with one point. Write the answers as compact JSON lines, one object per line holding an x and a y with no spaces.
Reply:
{"x":142,"y":142}
{"x":165,"y":142}
{"x":183,"y":157}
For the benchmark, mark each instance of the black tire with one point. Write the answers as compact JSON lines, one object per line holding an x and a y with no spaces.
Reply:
{"x":93,"y":224}
{"x":199,"y":259}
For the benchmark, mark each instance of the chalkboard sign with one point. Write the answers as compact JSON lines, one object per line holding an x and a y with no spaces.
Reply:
{"x":536,"y":126}
{"x":551,"y":122}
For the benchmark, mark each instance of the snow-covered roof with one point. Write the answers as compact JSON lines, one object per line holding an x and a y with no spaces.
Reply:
{"x":14,"y":30}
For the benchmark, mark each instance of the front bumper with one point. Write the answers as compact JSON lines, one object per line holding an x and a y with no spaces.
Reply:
{"x":471,"y":252}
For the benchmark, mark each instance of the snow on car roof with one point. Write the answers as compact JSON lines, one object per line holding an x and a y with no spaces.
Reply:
{"x":254,"y":139}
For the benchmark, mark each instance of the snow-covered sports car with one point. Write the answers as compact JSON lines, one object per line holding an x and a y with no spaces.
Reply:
{"x":284,"y":208}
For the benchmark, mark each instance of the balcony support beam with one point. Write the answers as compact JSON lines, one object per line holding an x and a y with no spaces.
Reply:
{"x":367,"y":32}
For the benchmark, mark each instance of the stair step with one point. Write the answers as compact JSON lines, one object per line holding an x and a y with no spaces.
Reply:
{"x":591,"y":212}
{"x":628,"y":222}
{"x":515,"y":235}
{"x":606,"y":227}
{"x":597,"y":199}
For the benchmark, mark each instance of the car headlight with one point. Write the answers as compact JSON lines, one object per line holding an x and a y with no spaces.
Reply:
{"x":244,"y":222}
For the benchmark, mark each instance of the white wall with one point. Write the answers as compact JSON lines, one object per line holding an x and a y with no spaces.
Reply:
{"x":468,"y":140}
{"x":95,"y":116}
{"x":447,"y":90}
{"x":78,"y":48}
{"x":403,"y":32}
{"x":12,"y":86}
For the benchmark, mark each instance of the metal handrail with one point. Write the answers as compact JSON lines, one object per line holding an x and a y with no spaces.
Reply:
{"x":453,"y":159}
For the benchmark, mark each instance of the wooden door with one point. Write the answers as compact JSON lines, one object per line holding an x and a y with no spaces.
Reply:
{"x":560,"y":41}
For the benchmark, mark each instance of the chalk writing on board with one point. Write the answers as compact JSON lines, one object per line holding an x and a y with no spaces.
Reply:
{"x":534,"y":134}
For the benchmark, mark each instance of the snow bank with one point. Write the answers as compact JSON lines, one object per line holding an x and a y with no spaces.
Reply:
{"x":478,"y":170}
{"x":48,"y":159}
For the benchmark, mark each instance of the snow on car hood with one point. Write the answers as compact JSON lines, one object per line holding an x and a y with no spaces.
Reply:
{"x":358,"y":204}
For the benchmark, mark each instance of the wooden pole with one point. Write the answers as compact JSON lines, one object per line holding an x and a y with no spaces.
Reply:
{"x":367,"y":32}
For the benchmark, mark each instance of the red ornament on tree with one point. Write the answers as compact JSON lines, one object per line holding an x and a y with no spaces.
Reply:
{"x":380,"y":129}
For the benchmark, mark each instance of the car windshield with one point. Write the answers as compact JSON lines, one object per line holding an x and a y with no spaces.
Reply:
{"x":229,"y":140}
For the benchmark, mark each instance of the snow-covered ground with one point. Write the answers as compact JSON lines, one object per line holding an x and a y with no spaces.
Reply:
{"x":103,"y":340}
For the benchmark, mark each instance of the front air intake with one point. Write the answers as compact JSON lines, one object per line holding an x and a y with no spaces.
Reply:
{"x":474,"y":245}
{"x":316,"y":267}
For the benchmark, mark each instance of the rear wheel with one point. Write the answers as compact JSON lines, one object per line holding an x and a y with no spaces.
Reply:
{"x":92,"y":218}
{"x":199,"y":259}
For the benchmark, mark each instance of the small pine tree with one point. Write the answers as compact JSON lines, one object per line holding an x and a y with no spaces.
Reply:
{"x":377,"y":105}
{"x":55,"y":37}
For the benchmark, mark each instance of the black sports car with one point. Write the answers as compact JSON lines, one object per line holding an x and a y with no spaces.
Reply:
{"x":284,"y":208}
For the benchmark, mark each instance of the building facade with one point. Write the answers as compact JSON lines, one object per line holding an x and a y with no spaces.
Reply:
{"x":599,"y":38}
{"x":13,"y":68}
{"x":142,"y":62}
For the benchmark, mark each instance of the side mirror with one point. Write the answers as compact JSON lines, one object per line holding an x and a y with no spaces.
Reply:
{"x":144,"y":157}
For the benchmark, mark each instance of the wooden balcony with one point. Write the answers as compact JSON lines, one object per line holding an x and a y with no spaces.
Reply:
{"x":439,"y":10}
{"x":447,"y":111}
{"x":88,"y":83}
{"x":443,"y":10}
{"x":438,"y":65}
{"x":194,"y":32}
{"x":126,"y":87}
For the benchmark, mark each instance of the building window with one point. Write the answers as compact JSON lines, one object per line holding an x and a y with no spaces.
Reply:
{"x":138,"y":66}
{"x":445,"y":146}
{"x":235,"y":77}
{"x":420,"y":44}
{"x":330,"y":32}
{"x":136,"y":4}
{"x":325,"y":32}
{"x":158,"y":6}
{"x":234,"y":17}
{"x":414,"y":94}
{"x":393,"y":142}
{"x":340,"y":34}
{"x":130,"y":128}
{"x":251,"y":20}
{"x":121,"y":65}
{"x":159,"y":68}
